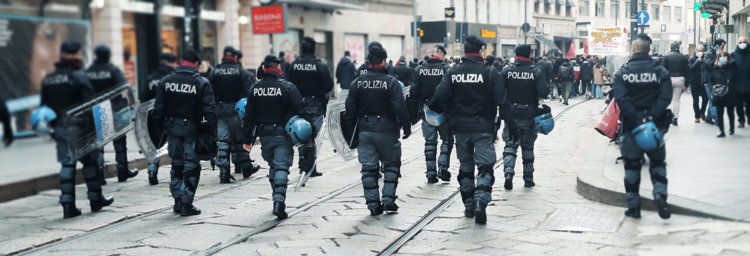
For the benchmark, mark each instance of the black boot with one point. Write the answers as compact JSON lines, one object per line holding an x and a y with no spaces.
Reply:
{"x":674,"y":122}
{"x":100,"y":176}
{"x":432,"y":180}
{"x":508,"y":181}
{"x":70,"y":210}
{"x":390,"y":207}
{"x":247,"y":172}
{"x":152,"y":179}
{"x":662,"y":207}
{"x":237,"y":168}
{"x":225,"y":178}
{"x":101,"y":203}
{"x":177,"y":206}
{"x":634,"y":213}
{"x":444,"y":175}
{"x":123,"y":175}
{"x":377,"y":210}
{"x":189,"y":210}
{"x":528,"y":181}
{"x":279,"y":209}
{"x":480,"y":213}
{"x":469,"y":212}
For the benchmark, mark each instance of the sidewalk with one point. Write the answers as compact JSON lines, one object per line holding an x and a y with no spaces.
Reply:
{"x":30,"y":166}
{"x":708,"y":176}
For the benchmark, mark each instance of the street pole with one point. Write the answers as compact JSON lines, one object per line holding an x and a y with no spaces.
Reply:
{"x":633,"y":19}
{"x":414,"y":28}
{"x":617,"y":11}
{"x":525,"y":14}
{"x":643,"y":3}
{"x":695,"y":27}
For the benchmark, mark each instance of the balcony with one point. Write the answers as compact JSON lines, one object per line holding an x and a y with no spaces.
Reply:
{"x":328,"y":4}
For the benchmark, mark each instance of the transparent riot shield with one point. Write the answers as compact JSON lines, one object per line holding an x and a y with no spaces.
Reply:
{"x":152,"y":143}
{"x":336,"y":134}
{"x":97,"y":122}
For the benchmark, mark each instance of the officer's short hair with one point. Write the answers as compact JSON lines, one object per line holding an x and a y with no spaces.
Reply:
{"x":377,"y":55}
{"x":642,"y":45}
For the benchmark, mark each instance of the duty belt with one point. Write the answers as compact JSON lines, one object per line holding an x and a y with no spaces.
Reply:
{"x":473,"y":119}
{"x":378,"y":118}
{"x":227,"y":102}
{"x":270,"y":127}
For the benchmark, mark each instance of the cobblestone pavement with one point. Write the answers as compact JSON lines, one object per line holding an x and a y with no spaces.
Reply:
{"x":141,"y":222}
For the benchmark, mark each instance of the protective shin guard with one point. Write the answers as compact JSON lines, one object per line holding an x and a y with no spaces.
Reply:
{"x":484,"y":184}
{"x":92,"y":183}
{"x":509,"y":161}
{"x":176,"y":181}
{"x":528,"y":170}
{"x":189,"y":186}
{"x":658,"y":171}
{"x":280,"y":183}
{"x":632,"y":182}
{"x":371,"y":188}
{"x":390,"y":182}
{"x":444,"y":161}
{"x":222,"y":157}
{"x":466,"y":183}
{"x":429,"y":156}
{"x":67,"y":183}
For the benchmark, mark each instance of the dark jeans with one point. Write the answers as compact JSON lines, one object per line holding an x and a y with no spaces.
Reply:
{"x":699,"y":107}
{"x":743,"y":108}
{"x":720,"y":118}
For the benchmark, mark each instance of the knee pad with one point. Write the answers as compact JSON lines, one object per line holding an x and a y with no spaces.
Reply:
{"x":176,"y":172}
{"x":391,"y":174}
{"x":463,"y":175}
{"x":658,"y":163}
{"x":528,"y":161}
{"x":370,"y":178}
{"x":509,"y":154}
{"x":633,"y":164}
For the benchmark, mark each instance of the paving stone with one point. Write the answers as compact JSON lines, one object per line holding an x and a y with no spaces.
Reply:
{"x":534,"y":239}
{"x":501,"y":243}
{"x":533,"y":248}
{"x":417,"y":249}
{"x":346,"y":251}
{"x":291,"y":251}
{"x":305,"y":243}
{"x":456,"y":245}
{"x":457,"y":253}
{"x":493,"y":251}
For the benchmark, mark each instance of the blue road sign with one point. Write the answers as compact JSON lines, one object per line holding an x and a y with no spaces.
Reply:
{"x":643,"y":17}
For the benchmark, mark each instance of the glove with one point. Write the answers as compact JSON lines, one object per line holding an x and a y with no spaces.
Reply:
{"x":8,"y":137}
{"x":407,"y":133}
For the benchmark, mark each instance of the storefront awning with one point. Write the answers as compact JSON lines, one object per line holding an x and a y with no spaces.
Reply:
{"x":327,"y":4}
{"x":570,"y":3}
{"x":559,"y":2}
{"x":546,"y":41}
{"x":537,"y":1}
{"x":548,"y":1}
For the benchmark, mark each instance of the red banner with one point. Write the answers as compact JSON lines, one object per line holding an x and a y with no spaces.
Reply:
{"x":128,"y":69}
{"x":268,"y":19}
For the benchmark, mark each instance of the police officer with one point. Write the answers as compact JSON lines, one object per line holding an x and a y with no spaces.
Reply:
{"x":473,"y":92}
{"x":105,"y":76}
{"x":183,"y":98}
{"x":231,"y":83}
{"x":166,"y":67}
{"x":525,"y":84}
{"x":365,"y":66}
{"x":426,"y":78}
{"x":313,"y":80}
{"x":376,"y":102}
{"x":643,"y":91}
{"x":66,"y":87}
{"x":272,"y":101}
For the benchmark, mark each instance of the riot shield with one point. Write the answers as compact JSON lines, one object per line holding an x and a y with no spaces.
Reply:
{"x":95,"y":123}
{"x":153,"y":143}
{"x":336,"y":130}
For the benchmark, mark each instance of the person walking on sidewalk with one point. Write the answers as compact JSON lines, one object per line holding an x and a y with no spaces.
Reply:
{"x":104,"y":76}
{"x":708,"y":60}
{"x":677,"y":65}
{"x":5,"y":120}
{"x":525,"y":84}
{"x":183,"y":98}
{"x":643,"y":90}
{"x":271,"y":104}
{"x":587,"y":74}
{"x":474,"y":92}
{"x":565,"y":78}
{"x":425,"y":81}
{"x":166,"y":66}
{"x":66,"y":87}
{"x":376,"y":103}
{"x":741,"y":57}
{"x":599,"y":74}
{"x":697,"y":89}
{"x":723,"y":78}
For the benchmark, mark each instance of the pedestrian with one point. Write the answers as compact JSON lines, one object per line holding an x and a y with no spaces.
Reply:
{"x":271,"y":103}
{"x":230,"y":83}
{"x":565,"y":77}
{"x":525,"y":84}
{"x":104,"y":77}
{"x":167,"y":65}
{"x":5,"y":120}
{"x":599,"y":74}
{"x":314,"y":82}
{"x":365,"y":66}
{"x":69,"y":80}
{"x":414,"y":64}
{"x":426,"y":79}
{"x":489,"y":61}
{"x":697,"y":88}
{"x":376,"y":103}
{"x":473,"y":94}
{"x":709,"y":58}
{"x":546,"y":66}
{"x":724,"y":79}
{"x":741,"y":57}
{"x":345,"y":71}
{"x":183,"y":98}
{"x":587,"y":74}
{"x":403,"y":72}
{"x":677,"y":65}
{"x":285,"y":66}
{"x":643,"y":92}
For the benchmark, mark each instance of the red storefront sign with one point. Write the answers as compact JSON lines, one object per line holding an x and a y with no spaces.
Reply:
{"x":269,"y":19}
{"x":128,"y":70}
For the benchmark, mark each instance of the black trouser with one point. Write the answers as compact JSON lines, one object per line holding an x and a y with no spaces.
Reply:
{"x":699,"y":92}
{"x":743,"y":108}
{"x":720,"y":120}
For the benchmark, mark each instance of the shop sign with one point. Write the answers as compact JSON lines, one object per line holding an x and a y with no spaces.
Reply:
{"x":487,"y":33}
{"x":269,"y":19}
{"x":137,"y":6}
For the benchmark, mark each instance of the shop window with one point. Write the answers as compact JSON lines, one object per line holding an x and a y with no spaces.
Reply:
{"x":584,"y":9}
{"x":557,"y":10}
{"x":599,"y":8}
{"x":568,"y":12}
{"x":654,"y":12}
{"x":667,"y":13}
{"x":614,"y":10}
{"x":678,"y":14}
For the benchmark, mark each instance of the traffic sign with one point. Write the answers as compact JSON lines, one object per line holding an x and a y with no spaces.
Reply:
{"x":643,"y":17}
{"x":525,"y":27}
{"x":689,"y":30}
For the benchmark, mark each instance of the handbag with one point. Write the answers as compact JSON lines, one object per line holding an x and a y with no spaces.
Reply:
{"x":608,"y":124}
{"x":719,"y":90}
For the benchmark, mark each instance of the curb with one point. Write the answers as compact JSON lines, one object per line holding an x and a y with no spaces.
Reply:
{"x":593,"y":185}
{"x":35,"y":185}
